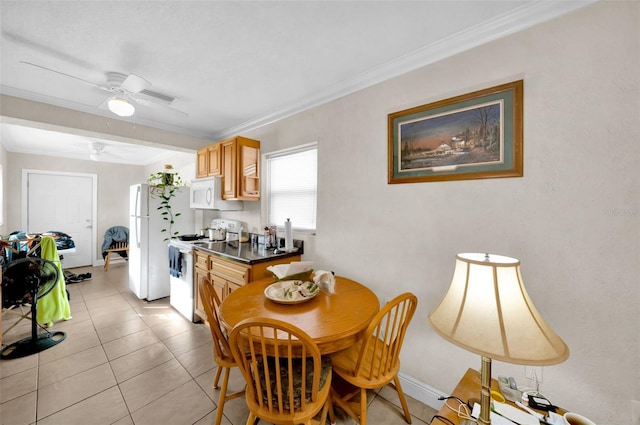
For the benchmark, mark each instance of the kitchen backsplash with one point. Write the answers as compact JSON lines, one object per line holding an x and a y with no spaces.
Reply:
{"x":251,"y":216}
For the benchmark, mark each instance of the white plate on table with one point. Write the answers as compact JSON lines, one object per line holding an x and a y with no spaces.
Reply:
{"x":291,"y":291}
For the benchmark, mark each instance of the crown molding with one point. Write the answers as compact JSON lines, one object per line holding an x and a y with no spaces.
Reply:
{"x":523,"y":17}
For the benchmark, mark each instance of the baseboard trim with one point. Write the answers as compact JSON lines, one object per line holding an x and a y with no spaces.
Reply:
{"x":422,"y":392}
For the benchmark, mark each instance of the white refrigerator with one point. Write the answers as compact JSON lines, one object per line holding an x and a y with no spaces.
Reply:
{"x":148,"y":253}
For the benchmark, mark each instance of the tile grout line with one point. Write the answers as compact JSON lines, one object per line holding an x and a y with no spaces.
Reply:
{"x":163,"y":326}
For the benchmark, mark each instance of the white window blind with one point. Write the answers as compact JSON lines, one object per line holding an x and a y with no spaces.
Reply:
{"x":292,"y":177}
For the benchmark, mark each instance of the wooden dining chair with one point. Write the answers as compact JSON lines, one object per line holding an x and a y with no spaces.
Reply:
{"x":116,"y":247}
{"x":374,"y":361}
{"x":221,"y":351}
{"x":288,"y":381}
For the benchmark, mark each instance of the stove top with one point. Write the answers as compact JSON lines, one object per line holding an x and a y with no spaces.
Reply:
{"x":191,"y":237}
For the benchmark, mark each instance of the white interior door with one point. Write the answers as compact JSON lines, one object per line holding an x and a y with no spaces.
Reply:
{"x":63,"y":202}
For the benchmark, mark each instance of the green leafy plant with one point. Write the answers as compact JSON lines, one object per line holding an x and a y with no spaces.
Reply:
{"x":164,"y":185}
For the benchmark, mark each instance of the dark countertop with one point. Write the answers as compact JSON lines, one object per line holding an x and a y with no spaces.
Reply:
{"x":246,"y":252}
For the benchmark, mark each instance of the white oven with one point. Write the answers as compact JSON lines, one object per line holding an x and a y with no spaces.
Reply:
{"x":181,"y":295}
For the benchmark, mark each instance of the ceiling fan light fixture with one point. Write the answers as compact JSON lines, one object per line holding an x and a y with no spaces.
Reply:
{"x":121,"y":107}
{"x":96,"y":150}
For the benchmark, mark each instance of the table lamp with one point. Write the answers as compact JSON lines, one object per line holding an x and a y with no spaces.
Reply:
{"x":487,"y":311}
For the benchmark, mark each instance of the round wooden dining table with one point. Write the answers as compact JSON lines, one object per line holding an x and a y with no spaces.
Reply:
{"x":333,"y":321}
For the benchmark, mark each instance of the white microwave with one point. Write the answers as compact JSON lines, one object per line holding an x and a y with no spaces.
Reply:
{"x":206,"y":194}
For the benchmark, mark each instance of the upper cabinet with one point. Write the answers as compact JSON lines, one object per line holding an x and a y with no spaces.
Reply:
{"x":240,"y":169}
{"x":209,"y":162}
{"x":237,"y":161}
{"x":214,"y":161}
{"x":202,"y":166}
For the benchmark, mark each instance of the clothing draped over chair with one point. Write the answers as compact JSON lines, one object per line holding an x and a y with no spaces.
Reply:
{"x":112,"y":235}
{"x":116,"y":241}
{"x":55,"y":305}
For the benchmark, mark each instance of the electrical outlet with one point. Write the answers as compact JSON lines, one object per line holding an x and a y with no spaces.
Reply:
{"x":534,"y":373}
{"x":635,"y":412}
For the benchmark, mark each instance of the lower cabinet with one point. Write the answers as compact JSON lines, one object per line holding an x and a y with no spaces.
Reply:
{"x":226,"y":275}
{"x":200,"y":276}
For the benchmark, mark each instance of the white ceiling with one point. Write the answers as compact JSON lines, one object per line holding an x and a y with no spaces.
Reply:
{"x":231,"y":65}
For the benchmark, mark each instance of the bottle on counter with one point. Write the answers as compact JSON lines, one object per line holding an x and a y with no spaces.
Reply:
{"x":273,"y":231}
{"x":267,"y":237}
{"x":242,"y":235}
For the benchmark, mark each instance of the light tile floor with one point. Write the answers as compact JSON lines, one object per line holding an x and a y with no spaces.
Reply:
{"x":126,"y":361}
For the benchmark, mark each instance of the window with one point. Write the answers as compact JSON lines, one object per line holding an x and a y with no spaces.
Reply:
{"x":292,"y":176}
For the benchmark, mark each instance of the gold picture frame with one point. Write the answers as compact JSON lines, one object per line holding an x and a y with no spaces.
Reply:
{"x":476,"y":135}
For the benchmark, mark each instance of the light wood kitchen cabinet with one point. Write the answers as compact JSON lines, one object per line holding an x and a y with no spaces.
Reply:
{"x":209,"y":162}
{"x":202,"y":163}
{"x":214,"y":161}
{"x":226,"y":275}
{"x":240,"y":169}
{"x":237,"y":161}
{"x":200,"y":276}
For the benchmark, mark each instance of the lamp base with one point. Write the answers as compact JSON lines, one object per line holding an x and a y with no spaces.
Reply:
{"x":485,"y":392}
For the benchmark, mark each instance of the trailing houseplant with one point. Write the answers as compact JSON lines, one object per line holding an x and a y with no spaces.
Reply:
{"x":164,"y":185}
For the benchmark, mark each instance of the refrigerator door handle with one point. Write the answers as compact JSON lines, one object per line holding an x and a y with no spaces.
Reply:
{"x":137,"y":214}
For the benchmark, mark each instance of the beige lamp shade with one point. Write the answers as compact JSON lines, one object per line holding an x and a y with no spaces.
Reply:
{"x":487,"y":311}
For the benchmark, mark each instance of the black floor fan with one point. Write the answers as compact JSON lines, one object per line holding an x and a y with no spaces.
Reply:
{"x":23,"y":282}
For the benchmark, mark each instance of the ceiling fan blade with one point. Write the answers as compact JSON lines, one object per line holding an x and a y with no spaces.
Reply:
{"x":135,"y":84}
{"x":160,"y":106}
{"x":105,"y":105}
{"x":67,"y":75}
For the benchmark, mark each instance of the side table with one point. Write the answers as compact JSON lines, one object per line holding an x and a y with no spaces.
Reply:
{"x":468,"y":388}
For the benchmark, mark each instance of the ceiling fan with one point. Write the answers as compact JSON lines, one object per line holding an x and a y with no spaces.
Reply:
{"x":96,"y":150}
{"x":125,"y":90}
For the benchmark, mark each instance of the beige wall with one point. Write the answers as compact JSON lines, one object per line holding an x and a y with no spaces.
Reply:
{"x":573,"y":219}
{"x":113,"y":188}
{"x":113,"y":185}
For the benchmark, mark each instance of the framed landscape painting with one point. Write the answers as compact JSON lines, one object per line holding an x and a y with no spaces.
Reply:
{"x":473,"y":136}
